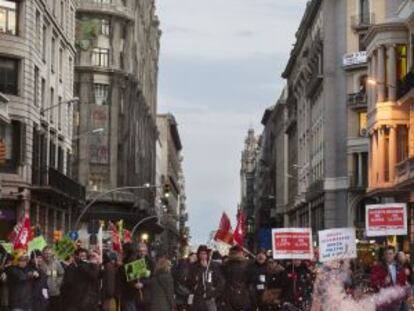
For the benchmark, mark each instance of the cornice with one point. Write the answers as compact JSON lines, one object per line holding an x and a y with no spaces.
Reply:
{"x":384,"y":27}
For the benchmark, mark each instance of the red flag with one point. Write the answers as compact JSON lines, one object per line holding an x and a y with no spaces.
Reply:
{"x":224,"y":233}
{"x":127,"y":236}
{"x":24,"y":235}
{"x":239,"y":232}
{"x":116,"y":240}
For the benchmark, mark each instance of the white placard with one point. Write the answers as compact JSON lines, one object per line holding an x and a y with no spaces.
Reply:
{"x":336,"y":244}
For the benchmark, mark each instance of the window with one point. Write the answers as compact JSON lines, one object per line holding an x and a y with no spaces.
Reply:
{"x":100,"y":57}
{"x":52,"y":155}
{"x":361,"y":39}
{"x":402,"y":143}
{"x":364,"y":12}
{"x":36,"y":86}
{"x":101,"y":94}
{"x":42,"y":95}
{"x":52,"y":99}
{"x":402,"y":63}
{"x":44,"y":43}
{"x":362,"y":123}
{"x":59,"y":112}
{"x":8,"y":17}
{"x":60,"y":64}
{"x":105,"y":27}
{"x":60,"y":160}
{"x":38,"y":32}
{"x":8,"y":75}
{"x":52,"y":55}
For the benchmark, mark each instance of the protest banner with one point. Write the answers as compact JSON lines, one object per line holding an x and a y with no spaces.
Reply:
{"x":64,"y":248}
{"x":136,"y":270}
{"x":336,"y":244}
{"x":386,"y":219}
{"x":292,"y":243}
{"x":38,"y":243}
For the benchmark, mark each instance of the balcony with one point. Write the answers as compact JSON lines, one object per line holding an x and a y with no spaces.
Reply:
{"x":405,"y":173}
{"x":52,"y":179}
{"x":362,"y":21}
{"x":357,"y":100}
{"x":355,"y":60}
{"x":89,"y":6}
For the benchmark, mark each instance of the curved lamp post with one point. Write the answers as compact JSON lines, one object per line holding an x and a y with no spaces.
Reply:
{"x":101,"y":195}
{"x":141,"y":222}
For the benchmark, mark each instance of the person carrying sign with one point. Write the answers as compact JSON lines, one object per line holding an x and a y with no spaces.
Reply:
{"x":54,"y":272}
{"x":388,"y":273}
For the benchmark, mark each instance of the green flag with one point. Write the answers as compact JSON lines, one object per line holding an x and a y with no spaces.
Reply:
{"x":38,"y":243}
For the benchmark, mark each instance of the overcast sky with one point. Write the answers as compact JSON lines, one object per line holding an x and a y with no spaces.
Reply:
{"x":220,"y":67}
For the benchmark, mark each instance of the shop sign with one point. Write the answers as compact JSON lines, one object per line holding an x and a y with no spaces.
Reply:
{"x":292,"y":243}
{"x":337,"y":244}
{"x":386,"y":219}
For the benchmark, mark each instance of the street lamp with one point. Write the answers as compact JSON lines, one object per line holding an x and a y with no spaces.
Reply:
{"x":144,"y":237}
{"x":101,"y":195}
{"x":73,"y":100}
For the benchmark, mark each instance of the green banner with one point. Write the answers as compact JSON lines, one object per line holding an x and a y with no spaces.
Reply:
{"x":64,"y":248}
{"x":7,"y":246}
{"x":38,"y":243}
{"x":136,"y":270}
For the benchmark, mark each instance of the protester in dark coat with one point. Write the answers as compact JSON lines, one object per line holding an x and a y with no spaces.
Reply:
{"x":145,"y":298}
{"x":20,"y":278}
{"x":128,"y":291}
{"x":236,"y":295}
{"x":297,"y":285}
{"x":205,"y":282}
{"x":258,"y":277}
{"x":109,"y":278}
{"x":40,"y":288}
{"x":180,"y":275}
{"x":88,"y":294}
{"x":162,"y":287}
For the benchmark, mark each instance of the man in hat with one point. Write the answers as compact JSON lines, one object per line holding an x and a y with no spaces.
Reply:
{"x":236,"y":294}
{"x":205,"y":282}
{"x":258,"y":277}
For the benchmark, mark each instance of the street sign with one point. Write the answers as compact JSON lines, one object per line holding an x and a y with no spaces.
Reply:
{"x":292,"y":243}
{"x":386,"y":219}
{"x":74,"y":235}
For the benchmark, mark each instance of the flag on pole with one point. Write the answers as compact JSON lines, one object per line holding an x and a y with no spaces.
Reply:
{"x":116,"y":240}
{"x":24,"y":234}
{"x":127,"y":236}
{"x":224,"y":233}
{"x":239,"y":233}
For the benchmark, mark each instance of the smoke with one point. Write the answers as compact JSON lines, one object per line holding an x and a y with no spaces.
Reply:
{"x":330,"y":293}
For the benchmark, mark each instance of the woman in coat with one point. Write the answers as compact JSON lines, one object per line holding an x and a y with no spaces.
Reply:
{"x":162,"y":287}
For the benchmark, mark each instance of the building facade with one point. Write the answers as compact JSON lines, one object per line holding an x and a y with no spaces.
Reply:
{"x":37,"y":54}
{"x":116,"y":80}
{"x":174,"y":240}
{"x":390,"y":109}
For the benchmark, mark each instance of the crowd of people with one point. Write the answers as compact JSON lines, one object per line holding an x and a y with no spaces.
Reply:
{"x":203,"y":281}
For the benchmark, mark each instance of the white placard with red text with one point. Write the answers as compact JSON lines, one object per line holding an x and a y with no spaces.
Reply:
{"x":292,"y":243}
{"x":337,"y":244}
{"x":386,"y":219}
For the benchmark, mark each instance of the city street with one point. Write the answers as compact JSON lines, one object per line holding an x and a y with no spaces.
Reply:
{"x":206,"y":155}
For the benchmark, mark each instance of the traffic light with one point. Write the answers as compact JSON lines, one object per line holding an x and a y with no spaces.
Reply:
{"x":167,"y":190}
{"x":57,"y":235}
{"x":2,"y":152}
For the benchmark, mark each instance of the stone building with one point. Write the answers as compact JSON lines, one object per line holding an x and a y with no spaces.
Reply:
{"x":37,"y":54}
{"x":116,"y":77}
{"x":316,"y":126}
{"x":390,"y":109}
{"x":249,"y":160}
{"x":174,"y":215}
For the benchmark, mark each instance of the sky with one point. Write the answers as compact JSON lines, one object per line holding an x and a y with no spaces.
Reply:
{"x":220,"y":68}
